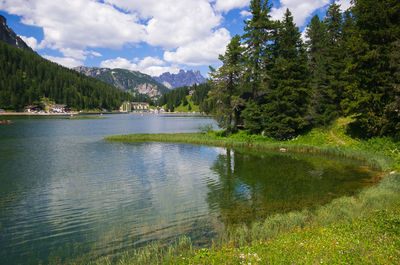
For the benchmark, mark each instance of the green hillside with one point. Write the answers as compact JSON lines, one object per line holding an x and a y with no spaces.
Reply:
{"x":25,"y":78}
{"x":189,"y":107}
{"x":187,"y":99}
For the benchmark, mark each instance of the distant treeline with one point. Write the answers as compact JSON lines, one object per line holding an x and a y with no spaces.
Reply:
{"x":25,"y":78}
{"x":271,"y":81}
{"x":177,"y":97}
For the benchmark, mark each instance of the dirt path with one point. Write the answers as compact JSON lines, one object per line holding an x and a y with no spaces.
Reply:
{"x":336,"y":138}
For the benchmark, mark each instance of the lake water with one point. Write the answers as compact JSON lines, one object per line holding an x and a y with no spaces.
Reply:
{"x":66,"y":193}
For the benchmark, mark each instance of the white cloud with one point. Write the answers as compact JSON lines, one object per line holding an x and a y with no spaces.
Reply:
{"x":201,"y":52}
{"x":64,"y":61}
{"x":74,"y":53}
{"x":304,"y":36}
{"x":245,"y":13}
{"x":78,"y":24}
{"x":300,"y":10}
{"x":227,"y":5}
{"x":73,"y":28}
{"x":172,"y":23}
{"x":344,"y":4}
{"x":149,"y":65}
{"x":118,"y":63}
{"x":31,"y":42}
{"x":97,"y":54}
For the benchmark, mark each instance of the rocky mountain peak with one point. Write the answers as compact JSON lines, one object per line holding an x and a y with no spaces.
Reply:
{"x":126,"y":80}
{"x":182,"y":78}
{"x":8,"y":35}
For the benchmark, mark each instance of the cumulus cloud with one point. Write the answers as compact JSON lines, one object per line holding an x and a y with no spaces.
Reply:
{"x":344,"y":4}
{"x":201,"y":52}
{"x":172,"y":23}
{"x":227,"y":5}
{"x":78,"y":24}
{"x":31,"y":42}
{"x":150,"y":65}
{"x":245,"y":13}
{"x":64,"y":61}
{"x":175,"y":25}
{"x":301,"y":10}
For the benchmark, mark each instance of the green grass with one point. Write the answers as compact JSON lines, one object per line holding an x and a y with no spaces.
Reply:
{"x":182,"y":108}
{"x":362,"y":229}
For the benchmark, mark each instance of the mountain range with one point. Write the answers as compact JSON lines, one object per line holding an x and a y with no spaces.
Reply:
{"x":126,"y":80}
{"x":142,"y":84}
{"x":134,"y":82}
{"x":183,"y":78}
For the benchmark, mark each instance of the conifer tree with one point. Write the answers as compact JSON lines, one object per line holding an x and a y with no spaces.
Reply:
{"x":226,"y":81}
{"x":317,"y":45}
{"x":256,"y":38}
{"x":287,"y":97}
{"x":375,"y":84}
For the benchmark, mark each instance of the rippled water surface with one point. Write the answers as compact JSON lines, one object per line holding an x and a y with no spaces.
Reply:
{"x":66,"y":193}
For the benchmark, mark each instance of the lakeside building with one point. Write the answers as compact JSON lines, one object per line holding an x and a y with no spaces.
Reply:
{"x":33,"y":108}
{"x":60,"y":108}
{"x":134,"y":106}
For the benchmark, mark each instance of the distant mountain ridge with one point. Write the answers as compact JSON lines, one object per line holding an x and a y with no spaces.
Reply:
{"x":183,"y":78}
{"x":126,"y":80}
{"x":8,"y":36}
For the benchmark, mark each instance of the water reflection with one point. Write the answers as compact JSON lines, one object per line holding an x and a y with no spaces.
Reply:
{"x":66,"y":194}
{"x":253,"y":185}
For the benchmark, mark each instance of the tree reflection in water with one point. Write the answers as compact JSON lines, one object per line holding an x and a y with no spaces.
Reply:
{"x":252,"y":185}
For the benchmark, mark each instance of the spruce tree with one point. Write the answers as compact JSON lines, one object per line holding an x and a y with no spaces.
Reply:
{"x":317,"y":46}
{"x":256,"y":38}
{"x":375,"y":93}
{"x":287,"y":97}
{"x":226,"y":81}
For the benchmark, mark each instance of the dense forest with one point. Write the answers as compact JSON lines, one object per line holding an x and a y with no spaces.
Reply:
{"x":271,"y":82}
{"x":25,"y":78}
{"x":178,"y":96}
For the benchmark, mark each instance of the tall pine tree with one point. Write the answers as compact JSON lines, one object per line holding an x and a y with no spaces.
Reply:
{"x":256,"y":38}
{"x":226,"y":81}
{"x":375,"y":93}
{"x":287,"y":97}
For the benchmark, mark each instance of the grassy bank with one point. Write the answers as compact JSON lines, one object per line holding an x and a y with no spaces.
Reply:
{"x":361,"y":229}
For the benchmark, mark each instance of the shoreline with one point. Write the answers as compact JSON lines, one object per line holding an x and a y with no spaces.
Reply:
{"x":364,"y":212}
{"x":37,"y":114}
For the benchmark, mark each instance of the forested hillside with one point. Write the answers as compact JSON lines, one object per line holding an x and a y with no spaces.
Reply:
{"x":273,"y":82}
{"x":178,"y":97}
{"x":25,"y":78}
{"x":141,"y":85}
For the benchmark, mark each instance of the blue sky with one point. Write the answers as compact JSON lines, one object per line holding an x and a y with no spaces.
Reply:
{"x":151,"y":36}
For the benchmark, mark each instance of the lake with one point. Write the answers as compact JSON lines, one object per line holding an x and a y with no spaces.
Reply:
{"x":65,"y":193}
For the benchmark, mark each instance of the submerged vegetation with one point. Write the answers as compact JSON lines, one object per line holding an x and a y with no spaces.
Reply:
{"x":345,"y":230}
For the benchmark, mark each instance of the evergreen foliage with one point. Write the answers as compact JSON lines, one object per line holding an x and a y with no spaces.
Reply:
{"x":177,"y":97}
{"x":374,"y":91}
{"x":25,"y":78}
{"x":349,"y":66}
{"x":287,"y":99}
{"x":226,"y":81}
